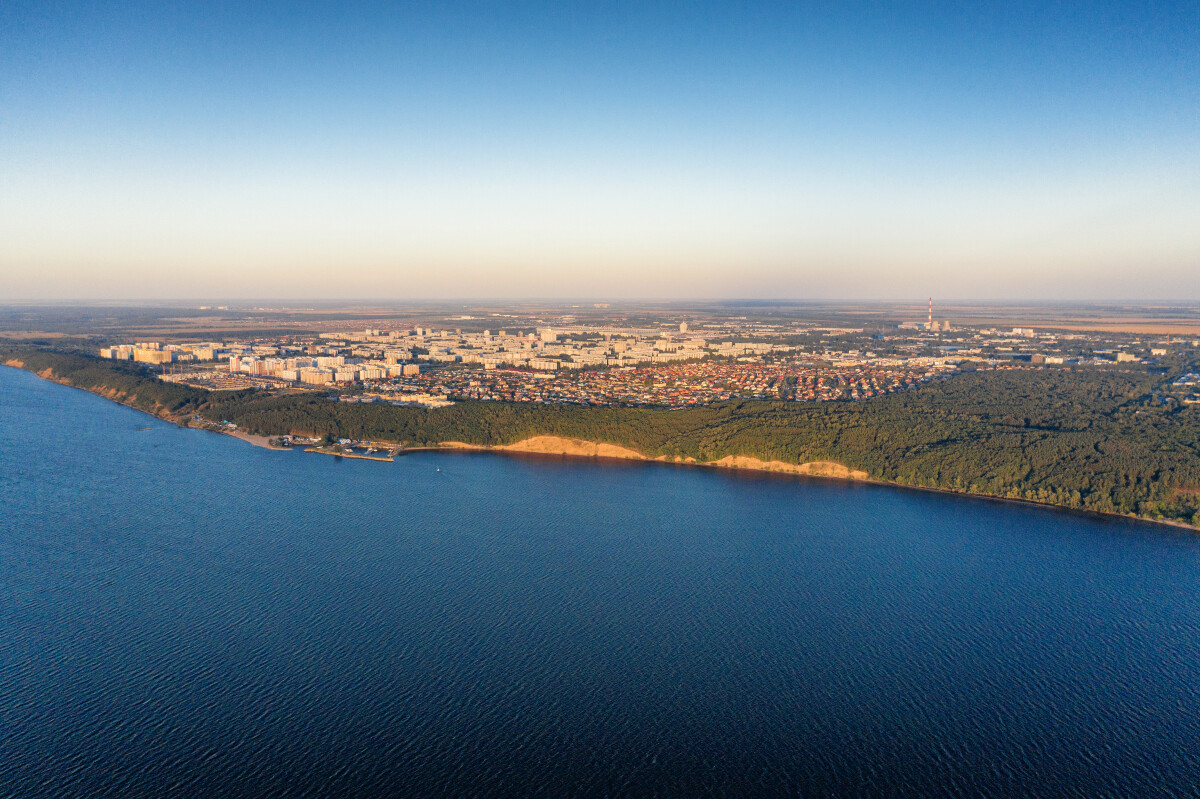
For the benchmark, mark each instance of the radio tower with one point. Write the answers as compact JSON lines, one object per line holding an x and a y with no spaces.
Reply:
{"x":930,"y":327}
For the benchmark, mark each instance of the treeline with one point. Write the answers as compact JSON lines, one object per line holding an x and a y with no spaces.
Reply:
{"x":134,"y":384}
{"x":1068,"y":438}
{"x":1081,"y":439}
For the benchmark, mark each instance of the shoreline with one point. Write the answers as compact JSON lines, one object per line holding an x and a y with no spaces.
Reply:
{"x":731,"y":463}
{"x":249,"y":438}
{"x":355,"y":456}
{"x":466,"y":449}
{"x":581,"y":448}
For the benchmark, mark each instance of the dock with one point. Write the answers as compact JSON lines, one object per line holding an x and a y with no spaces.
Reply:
{"x":339,"y":454}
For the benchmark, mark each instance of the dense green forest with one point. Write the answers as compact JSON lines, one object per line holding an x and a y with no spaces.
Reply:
{"x":1082,"y":439}
{"x":132,"y":383}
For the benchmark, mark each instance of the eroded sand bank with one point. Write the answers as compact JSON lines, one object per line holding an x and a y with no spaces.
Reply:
{"x":558,"y":445}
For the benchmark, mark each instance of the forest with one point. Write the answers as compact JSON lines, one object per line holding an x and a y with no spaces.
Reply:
{"x":1085,"y":439}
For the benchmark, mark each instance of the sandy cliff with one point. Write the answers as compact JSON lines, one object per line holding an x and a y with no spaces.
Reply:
{"x":558,"y":445}
{"x":815,"y":468}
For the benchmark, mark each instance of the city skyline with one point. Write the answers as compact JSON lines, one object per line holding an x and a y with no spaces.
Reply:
{"x":439,"y":152}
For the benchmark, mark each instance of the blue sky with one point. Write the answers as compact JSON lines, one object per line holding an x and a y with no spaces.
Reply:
{"x":838,"y":150}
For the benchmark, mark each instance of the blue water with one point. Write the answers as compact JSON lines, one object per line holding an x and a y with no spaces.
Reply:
{"x":183,"y":614}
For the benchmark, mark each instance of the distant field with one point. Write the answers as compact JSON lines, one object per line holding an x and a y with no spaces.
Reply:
{"x":1149,"y":328}
{"x":23,"y":334}
{"x":1146,"y":320}
{"x":150,"y":322}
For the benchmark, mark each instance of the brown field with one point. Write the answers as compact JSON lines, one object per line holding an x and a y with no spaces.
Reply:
{"x":1152,"y":328}
{"x":1146,"y":320}
{"x":19,"y":334}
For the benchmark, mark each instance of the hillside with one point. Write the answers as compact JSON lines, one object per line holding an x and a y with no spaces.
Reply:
{"x":1079,"y":439}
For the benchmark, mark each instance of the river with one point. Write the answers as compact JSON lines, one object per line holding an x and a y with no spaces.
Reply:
{"x":184,"y":614}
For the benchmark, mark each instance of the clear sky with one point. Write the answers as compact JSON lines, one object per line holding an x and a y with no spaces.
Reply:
{"x":621,"y":150}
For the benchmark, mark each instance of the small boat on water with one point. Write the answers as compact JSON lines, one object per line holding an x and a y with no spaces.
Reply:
{"x":141,"y":429}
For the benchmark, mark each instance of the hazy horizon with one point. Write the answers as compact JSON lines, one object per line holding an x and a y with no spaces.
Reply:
{"x":941,"y":305}
{"x":1005,"y":152}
